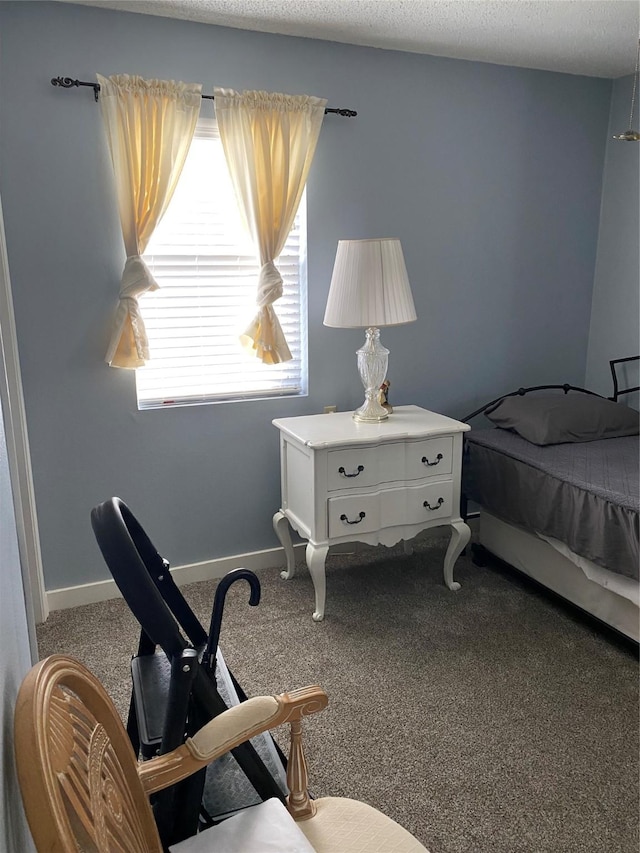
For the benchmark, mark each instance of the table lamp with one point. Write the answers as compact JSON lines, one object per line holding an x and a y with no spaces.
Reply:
{"x":370,"y":288}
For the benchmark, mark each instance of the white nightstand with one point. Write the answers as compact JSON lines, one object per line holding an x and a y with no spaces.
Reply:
{"x":345,"y":481}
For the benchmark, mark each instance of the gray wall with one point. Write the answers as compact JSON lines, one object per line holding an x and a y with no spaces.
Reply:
{"x":491,"y":177}
{"x":15,"y":660}
{"x":615,"y":315}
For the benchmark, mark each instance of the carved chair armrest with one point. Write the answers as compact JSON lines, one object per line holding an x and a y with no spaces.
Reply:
{"x":235,"y":726}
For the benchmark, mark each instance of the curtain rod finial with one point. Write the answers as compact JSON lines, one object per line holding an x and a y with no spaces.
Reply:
{"x":69,"y":83}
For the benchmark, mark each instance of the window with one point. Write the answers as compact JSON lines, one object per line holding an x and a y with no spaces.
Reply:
{"x":206,"y":267}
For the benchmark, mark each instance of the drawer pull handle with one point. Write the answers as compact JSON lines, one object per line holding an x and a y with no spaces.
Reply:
{"x":425,"y":461}
{"x":344,"y":518}
{"x":427,"y":505}
{"x":359,"y":470}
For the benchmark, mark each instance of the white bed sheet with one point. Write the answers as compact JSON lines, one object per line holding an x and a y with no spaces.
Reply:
{"x":583,"y":583}
{"x":621,"y":585}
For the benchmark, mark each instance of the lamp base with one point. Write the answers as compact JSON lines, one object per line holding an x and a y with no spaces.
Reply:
{"x":373,"y":359}
{"x":369,"y":415}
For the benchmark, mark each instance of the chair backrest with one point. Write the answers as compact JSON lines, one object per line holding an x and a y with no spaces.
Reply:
{"x":77,"y":770}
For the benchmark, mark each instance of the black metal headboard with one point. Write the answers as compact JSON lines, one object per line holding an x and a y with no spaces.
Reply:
{"x":522,"y":391}
{"x":614,"y":373}
{"x":617,"y":391}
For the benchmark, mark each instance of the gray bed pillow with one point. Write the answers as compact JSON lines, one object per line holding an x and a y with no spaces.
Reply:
{"x":562,"y":418}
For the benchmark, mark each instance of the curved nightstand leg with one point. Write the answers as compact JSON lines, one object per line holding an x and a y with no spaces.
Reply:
{"x":316,"y":556}
{"x":281,"y":527}
{"x":460,"y":535}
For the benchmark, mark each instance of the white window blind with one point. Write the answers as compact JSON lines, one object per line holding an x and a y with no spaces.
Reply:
{"x":205,"y":264}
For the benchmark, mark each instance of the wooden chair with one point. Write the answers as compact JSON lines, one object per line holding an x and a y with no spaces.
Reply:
{"x":84,"y":789}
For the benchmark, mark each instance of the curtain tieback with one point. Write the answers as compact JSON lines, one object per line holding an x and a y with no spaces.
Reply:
{"x":136,"y":279}
{"x":269,"y":285}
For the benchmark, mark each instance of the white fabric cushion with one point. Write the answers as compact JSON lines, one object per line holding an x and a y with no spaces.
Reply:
{"x":349,"y":826}
{"x":265,"y":828}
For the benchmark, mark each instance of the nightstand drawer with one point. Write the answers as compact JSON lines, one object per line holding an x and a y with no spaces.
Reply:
{"x":432,"y":457}
{"x":356,"y":467}
{"x":357,"y":514}
{"x":352,"y":515}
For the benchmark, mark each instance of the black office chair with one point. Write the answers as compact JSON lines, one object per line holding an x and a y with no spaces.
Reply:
{"x":180,"y":681}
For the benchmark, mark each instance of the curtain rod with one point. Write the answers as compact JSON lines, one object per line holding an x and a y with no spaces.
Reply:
{"x":69,"y":83}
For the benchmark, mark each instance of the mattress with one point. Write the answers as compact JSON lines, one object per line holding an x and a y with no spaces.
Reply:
{"x":586,"y":495}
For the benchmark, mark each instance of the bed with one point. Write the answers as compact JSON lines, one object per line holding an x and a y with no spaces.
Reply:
{"x":555,"y":477}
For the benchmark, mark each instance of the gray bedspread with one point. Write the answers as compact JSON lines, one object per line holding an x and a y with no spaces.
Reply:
{"x":586,"y":494}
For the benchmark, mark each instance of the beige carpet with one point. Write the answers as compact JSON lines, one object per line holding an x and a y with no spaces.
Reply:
{"x":491,"y":719}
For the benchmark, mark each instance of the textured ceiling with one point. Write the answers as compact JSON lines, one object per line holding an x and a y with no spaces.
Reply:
{"x":573,"y":36}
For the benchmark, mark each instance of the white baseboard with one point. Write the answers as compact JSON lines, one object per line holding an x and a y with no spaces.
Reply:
{"x":90,"y":593}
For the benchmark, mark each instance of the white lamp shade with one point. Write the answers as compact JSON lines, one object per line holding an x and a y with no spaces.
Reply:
{"x":369,"y":286}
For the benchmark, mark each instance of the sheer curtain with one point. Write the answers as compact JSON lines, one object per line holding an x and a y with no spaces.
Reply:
{"x":269,"y":141}
{"x":149,"y":125}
